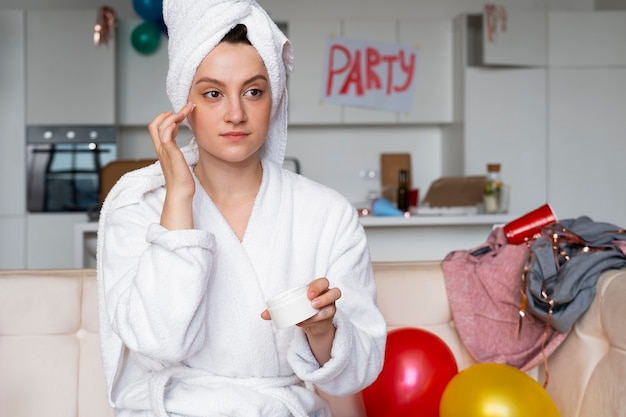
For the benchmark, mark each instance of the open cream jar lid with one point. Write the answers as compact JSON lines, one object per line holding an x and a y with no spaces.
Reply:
{"x":291,"y":307}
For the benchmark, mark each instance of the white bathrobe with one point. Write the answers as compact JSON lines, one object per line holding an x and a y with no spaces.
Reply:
{"x":180,"y":324}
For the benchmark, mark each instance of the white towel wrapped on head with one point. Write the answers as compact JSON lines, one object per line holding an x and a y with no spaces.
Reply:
{"x":195,"y":27}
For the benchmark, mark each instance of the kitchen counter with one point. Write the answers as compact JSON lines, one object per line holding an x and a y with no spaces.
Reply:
{"x":391,"y":239}
{"x":434,"y":220}
{"x":426,"y":238}
{"x":85,"y":244}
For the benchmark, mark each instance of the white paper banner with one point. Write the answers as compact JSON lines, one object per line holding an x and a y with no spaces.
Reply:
{"x":370,"y":74}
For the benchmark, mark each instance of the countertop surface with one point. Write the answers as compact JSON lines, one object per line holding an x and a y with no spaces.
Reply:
{"x":434,"y":220}
{"x":390,"y":238}
{"x":395,"y":221}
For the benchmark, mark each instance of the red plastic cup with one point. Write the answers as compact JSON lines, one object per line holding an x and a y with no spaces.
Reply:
{"x":525,"y":227}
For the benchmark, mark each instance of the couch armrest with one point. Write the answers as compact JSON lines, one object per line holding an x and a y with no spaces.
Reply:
{"x":587,"y":372}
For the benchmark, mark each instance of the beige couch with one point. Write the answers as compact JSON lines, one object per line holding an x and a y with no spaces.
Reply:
{"x":50,"y":366}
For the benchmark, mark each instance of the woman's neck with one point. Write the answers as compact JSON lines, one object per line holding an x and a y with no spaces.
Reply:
{"x":224,"y":182}
{"x":233,"y":190}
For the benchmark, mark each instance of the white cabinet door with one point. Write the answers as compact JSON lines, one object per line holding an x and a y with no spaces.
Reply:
{"x":309,"y":38}
{"x":13,"y":242}
{"x":373,"y":30}
{"x":141,"y":79}
{"x":50,"y":239}
{"x":433,"y":94}
{"x":521,"y":41}
{"x":587,"y":38}
{"x":68,"y":79}
{"x":505,"y":122}
{"x":588,"y":143}
{"x":12,"y":132}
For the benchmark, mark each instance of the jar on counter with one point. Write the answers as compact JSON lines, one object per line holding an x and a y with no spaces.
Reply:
{"x":493,"y":190}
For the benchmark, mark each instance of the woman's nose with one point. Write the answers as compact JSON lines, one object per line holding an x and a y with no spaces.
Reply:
{"x":235,"y":113}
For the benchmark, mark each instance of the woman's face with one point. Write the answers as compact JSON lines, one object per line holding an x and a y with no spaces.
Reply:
{"x":231,"y":91}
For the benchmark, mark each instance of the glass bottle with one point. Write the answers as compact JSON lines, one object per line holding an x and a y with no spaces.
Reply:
{"x":403,"y":195}
{"x":492,"y":190}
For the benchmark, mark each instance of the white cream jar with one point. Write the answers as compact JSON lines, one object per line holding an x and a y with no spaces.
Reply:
{"x":290,"y":307}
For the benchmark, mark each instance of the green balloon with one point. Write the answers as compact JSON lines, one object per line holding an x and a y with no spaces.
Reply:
{"x":146,"y":37}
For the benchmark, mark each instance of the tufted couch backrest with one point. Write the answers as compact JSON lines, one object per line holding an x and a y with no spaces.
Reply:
{"x":49,"y":353}
{"x":50,"y":358}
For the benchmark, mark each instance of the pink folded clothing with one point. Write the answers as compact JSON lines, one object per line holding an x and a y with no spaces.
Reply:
{"x":484,"y":287}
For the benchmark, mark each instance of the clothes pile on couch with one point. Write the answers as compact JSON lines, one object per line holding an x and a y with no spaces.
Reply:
{"x":514,"y":304}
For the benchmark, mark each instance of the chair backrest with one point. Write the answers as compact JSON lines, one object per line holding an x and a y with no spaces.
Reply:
{"x":114,"y":170}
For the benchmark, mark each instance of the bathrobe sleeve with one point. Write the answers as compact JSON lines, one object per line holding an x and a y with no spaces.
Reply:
{"x":154,"y":281}
{"x":359,"y":345}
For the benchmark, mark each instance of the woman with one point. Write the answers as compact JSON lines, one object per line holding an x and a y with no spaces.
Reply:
{"x":190,"y":248}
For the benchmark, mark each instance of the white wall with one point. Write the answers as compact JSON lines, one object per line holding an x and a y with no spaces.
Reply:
{"x":283,"y":9}
{"x":338,"y":156}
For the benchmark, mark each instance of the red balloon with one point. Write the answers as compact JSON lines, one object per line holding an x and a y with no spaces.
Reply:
{"x":418,"y":366}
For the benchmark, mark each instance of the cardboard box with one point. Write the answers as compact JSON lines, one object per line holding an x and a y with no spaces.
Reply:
{"x":455,"y":192}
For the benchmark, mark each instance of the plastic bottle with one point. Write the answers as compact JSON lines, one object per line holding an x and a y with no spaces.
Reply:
{"x":492,"y":190}
{"x":403,"y":191}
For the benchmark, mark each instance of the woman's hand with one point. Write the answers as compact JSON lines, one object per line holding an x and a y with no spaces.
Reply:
{"x":319,"y":329}
{"x":179,"y":183}
{"x":323,"y":298}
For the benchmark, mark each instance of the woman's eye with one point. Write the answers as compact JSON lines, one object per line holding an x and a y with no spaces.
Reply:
{"x":212,"y":94}
{"x":254,"y":92}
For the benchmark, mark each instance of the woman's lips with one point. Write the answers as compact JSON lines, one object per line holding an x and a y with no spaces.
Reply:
{"x":235,"y":136}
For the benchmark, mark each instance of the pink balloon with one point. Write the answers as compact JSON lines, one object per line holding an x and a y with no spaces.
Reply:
{"x":418,"y":366}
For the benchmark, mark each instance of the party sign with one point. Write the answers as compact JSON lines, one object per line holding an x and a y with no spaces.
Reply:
{"x":370,"y":74}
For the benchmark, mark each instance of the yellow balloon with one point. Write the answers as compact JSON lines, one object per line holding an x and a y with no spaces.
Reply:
{"x":495,"y":390}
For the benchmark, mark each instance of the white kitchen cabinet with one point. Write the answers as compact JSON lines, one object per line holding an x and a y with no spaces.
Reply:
{"x":433,"y":94}
{"x":13,"y":241}
{"x":522,"y":41}
{"x":372,"y":30}
{"x":587,"y":103}
{"x":309,"y":38}
{"x":506,"y":121}
{"x":587,"y":131}
{"x":501,"y":116}
{"x":12,"y":138}
{"x":68,"y":79}
{"x":12,"y":132}
{"x":558,"y":130}
{"x":587,"y":38}
{"x":141,"y":79}
{"x":426,"y":238}
{"x":433,"y":97}
{"x":50,"y":239}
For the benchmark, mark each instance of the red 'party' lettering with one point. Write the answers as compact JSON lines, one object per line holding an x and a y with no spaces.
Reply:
{"x":363,"y":69}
